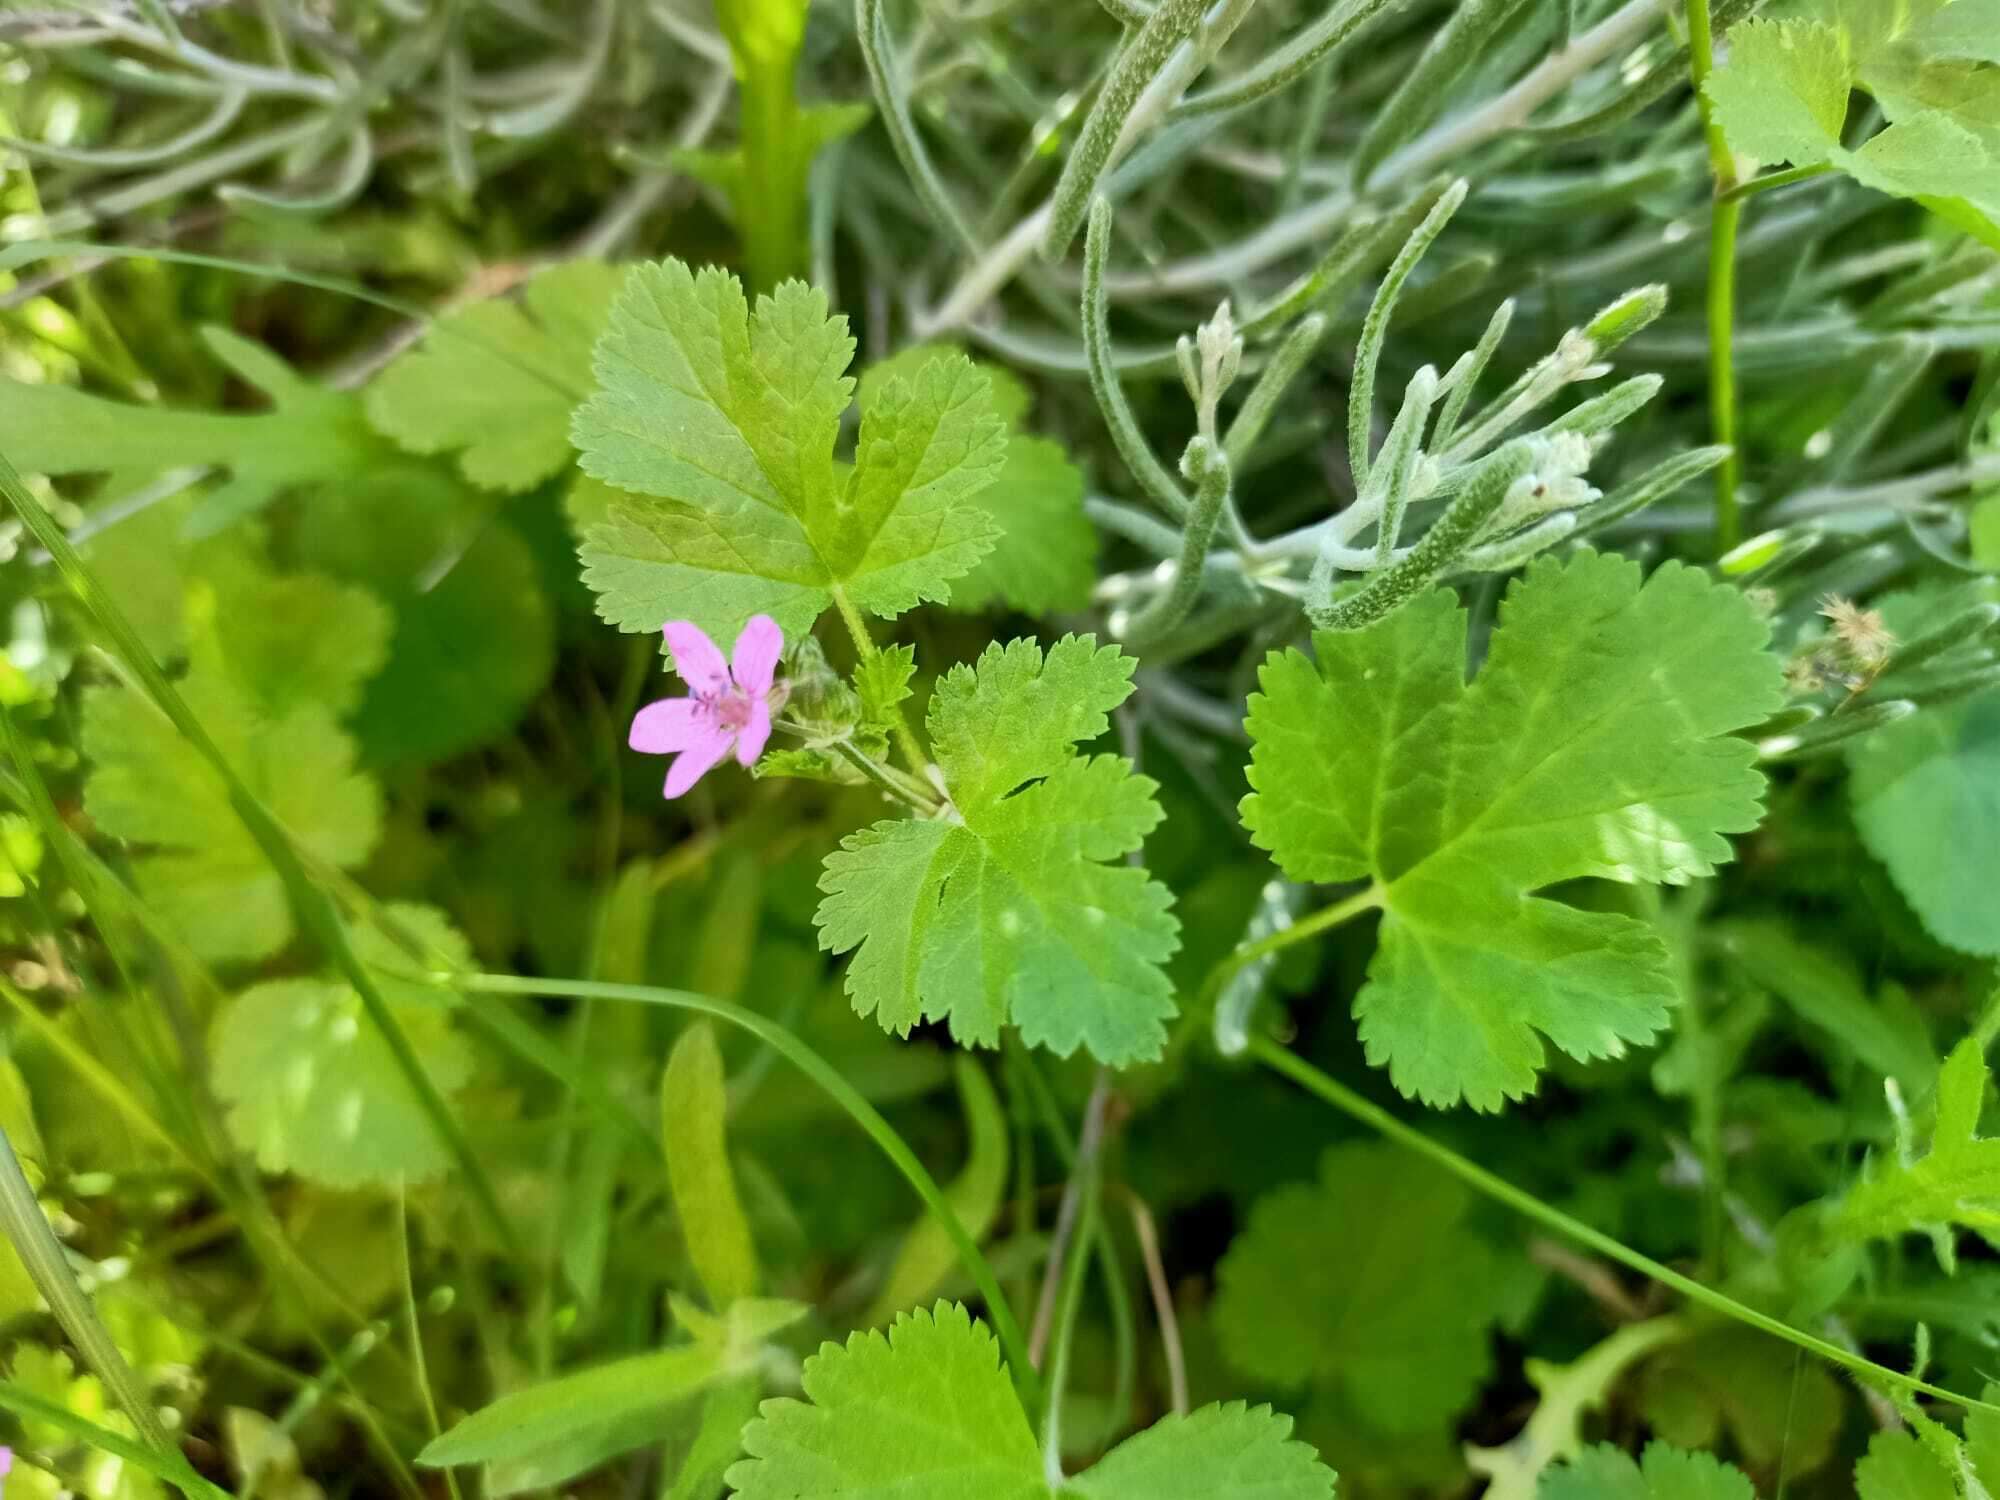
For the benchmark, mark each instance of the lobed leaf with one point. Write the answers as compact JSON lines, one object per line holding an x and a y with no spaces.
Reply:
{"x":1604,"y":1473}
{"x":927,"y":1409}
{"x":1367,"y":1284}
{"x":310,"y":1086}
{"x":1782,"y":95}
{"x":1956,"y":1181}
{"x":1044,"y":557}
{"x":1926,"y":789}
{"x":1596,"y":742}
{"x":495,"y":382}
{"x":201,"y":869}
{"x":719,"y":425}
{"x":1011,"y":912}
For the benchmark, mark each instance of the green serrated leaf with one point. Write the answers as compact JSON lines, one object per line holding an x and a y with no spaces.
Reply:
{"x":1235,"y":1449}
{"x":1367,"y":1282}
{"x":495,"y":382}
{"x":286,"y":639}
{"x":927,"y":1409}
{"x":1956,"y":1181}
{"x":720,"y":428}
{"x":203,"y":872}
{"x":1774,"y":1406}
{"x":882,"y":682}
{"x":1963,"y":31}
{"x":1009,"y":912}
{"x":474,"y":637}
{"x":1044,"y":559}
{"x":1898,"y":1467}
{"x":1922,"y":154}
{"x":275,"y":657}
{"x":1596,"y":742}
{"x":1926,"y":790}
{"x":1605,"y":1473}
{"x":1782,"y":94}
{"x":1933,"y":1462}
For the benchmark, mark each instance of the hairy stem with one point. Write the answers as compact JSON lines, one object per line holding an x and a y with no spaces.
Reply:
{"x":1138,"y":454}
{"x":892,"y":782}
{"x":1211,"y":500}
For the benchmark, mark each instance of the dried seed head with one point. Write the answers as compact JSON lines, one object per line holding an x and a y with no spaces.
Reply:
{"x":1861,"y":632}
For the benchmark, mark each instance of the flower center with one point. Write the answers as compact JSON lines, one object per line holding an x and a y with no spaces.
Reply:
{"x":731,"y":708}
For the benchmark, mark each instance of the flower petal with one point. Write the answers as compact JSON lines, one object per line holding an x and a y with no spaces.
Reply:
{"x":697,"y":761}
{"x":755,"y":658}
{"x":751,"y":738}
{"x":670,"y":724}
{"x":700,"y":665}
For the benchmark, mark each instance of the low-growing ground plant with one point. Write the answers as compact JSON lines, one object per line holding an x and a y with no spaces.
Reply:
{"x":1000,"y":749}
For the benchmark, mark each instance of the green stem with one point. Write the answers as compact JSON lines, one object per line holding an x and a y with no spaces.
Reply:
{"x":1140,"y":460}
{"x":1772,"y":180}
{"x":1344,"y":1099}
{"x":1325,"y":919}
{"x":1211,"y":500}
{"x":837,"y":1088}
{"x":770,"y":208}
{"x":865,"y":647}
{"x":1722,"y":367}
{"x":1727,"y":218}
{"x":892,"y":782}
{"x":1075,"y":1274}
{"x":1705,"y":1113}
{"x":420,"y":1375}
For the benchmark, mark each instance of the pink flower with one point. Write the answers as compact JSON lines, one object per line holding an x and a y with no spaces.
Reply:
{"x":729,"y":706}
